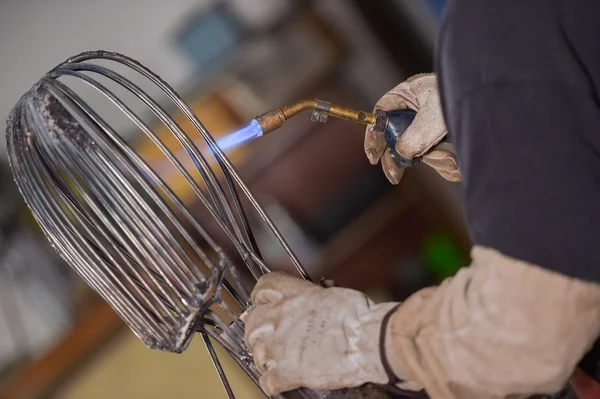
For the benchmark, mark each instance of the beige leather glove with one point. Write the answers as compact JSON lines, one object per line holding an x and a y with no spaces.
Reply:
{"x":421,"y":139}
{"x":304,"y":335}
{"x":501,"y":328}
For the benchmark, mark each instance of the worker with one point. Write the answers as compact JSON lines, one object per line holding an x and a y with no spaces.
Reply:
{"x":519,"y":87}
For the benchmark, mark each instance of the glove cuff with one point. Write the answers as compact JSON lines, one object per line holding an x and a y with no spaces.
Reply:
{"x":393,"y":378}
{"x":396,"y":384}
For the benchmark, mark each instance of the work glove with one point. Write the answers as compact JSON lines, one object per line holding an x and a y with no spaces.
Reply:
{"x":423,"y":136}
{"x":304,"y":335}
{"x":501,"y":328}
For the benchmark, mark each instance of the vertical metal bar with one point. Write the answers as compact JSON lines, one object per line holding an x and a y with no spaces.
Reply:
{"x":217,"y":364}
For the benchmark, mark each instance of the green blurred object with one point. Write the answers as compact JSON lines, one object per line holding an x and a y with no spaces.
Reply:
{"x":442,"y":256}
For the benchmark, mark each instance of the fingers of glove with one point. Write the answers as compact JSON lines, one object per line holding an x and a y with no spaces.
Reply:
{"x":444,"y":163}
{"x":266,"y":347}
{"x":267,"y":355}
{"x":426,"y":130}
{"x":267,"y":297}
{"x":277,"y":380}
{"x":392,"y":171}
{"x":375,"y":145}
{"x":261,"y":322}
{"x":274,"y":286}
{"x":258,"y":334}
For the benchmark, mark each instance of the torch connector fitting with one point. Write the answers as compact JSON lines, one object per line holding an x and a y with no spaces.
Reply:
{"x":271,"y":120}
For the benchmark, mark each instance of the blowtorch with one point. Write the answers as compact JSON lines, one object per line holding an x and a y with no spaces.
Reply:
{"x":392,"y":124}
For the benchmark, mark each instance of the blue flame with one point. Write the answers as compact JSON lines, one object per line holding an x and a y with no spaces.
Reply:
{"x":231,"y":140}
{"x":240,"y":136}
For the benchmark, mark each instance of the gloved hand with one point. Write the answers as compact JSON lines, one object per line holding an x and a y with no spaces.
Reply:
{"x":421,"y":139}
{"x":304,"y":335}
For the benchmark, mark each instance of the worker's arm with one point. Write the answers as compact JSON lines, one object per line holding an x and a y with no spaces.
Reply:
{"x":500,"y":328}
{"x":520,"y":83}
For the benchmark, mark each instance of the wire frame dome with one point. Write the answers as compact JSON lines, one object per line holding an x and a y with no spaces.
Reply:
{"x":115,"y":218}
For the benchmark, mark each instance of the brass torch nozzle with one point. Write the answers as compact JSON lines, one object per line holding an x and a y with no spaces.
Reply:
{"x":273,"y":120}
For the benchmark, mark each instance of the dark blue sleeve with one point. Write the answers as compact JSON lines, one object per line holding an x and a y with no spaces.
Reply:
{"x":530,"y":157}
{"x":519,"y":83}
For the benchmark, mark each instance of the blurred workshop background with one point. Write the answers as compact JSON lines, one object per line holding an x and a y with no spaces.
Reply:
{"x":231,"y":60}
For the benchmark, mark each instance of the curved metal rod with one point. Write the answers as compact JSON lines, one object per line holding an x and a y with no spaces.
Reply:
{"x":200,"y":162}
{"x":229,"y":229}
{"x":121,"y":226}
{"x":86,"y":223}
{"x":45,"y":210}
{"x":122,"y":59}
{"x":167,"y":89}
{"x":98,"y":179}
{"x":243,"y":296}
{"x":133,"y":157}
{"x":106,"y":127}
{"x":245,"y":234}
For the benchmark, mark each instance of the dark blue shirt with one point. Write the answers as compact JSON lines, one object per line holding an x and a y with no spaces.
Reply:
{"x":519,"y":82}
